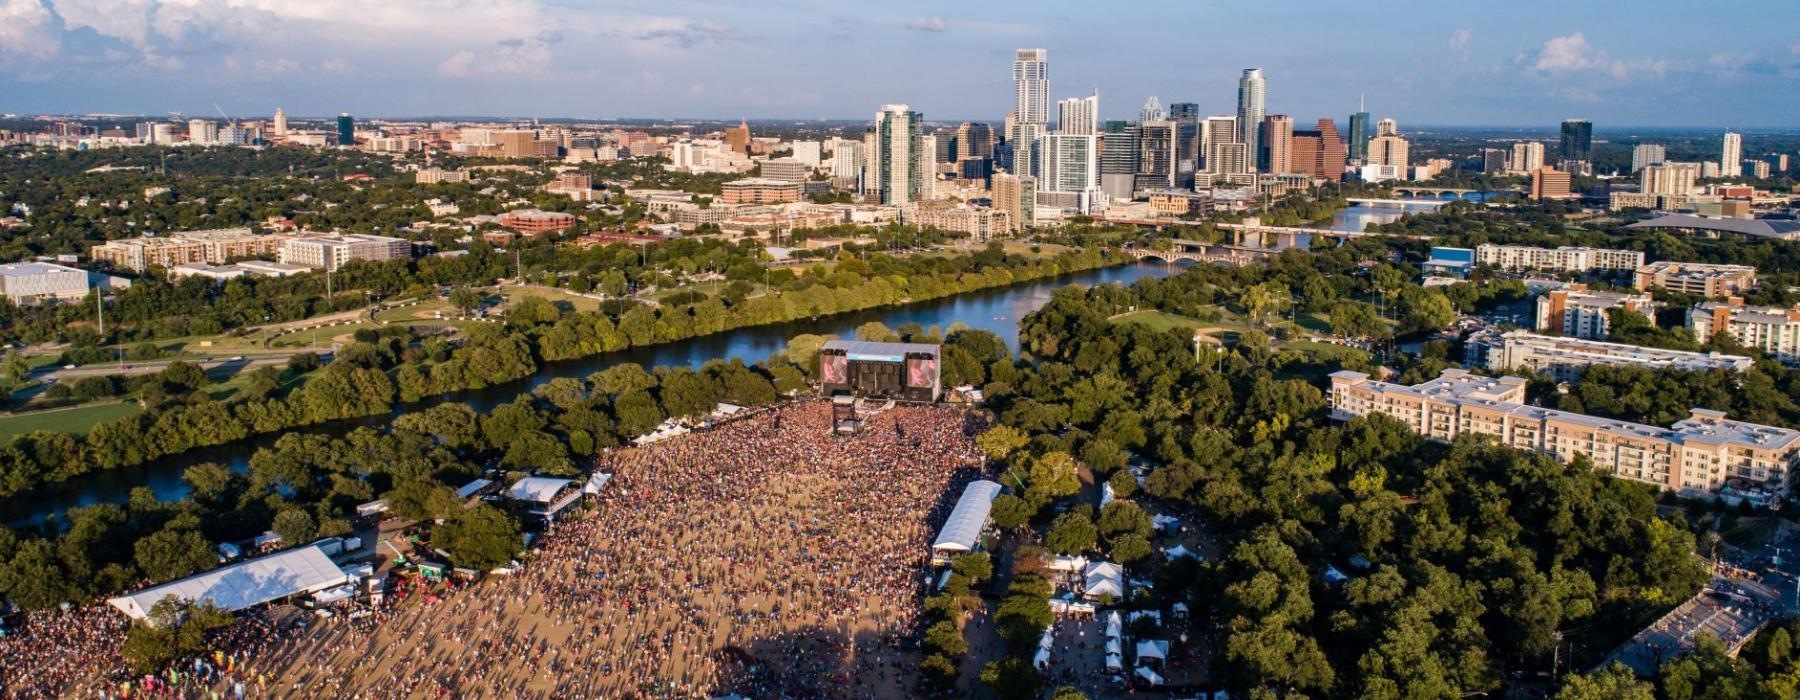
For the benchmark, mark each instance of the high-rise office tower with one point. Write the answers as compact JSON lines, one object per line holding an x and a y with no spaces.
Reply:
{"x":1388,"y":150}
{"x":1319,"y":152}
{"x":1278,"y":140}
{"x":974,"y":140}
{"x":1031,"y":106}
{"x":1218,"y":129}
{"x":1526,"y":157}
{"x":1731,"y":156}
{"x":1359,"y":132}
{"x":280,"y":122}
{"x":1152,"y":111}
{"x":1647,"y":154}
{"x":1071,"y":167}
{"x":346,"y":131}
{"x":737,"y":138}
{"x":898,"y":145}
{"x":1184,"y":111}
{"x":1215,"y":133}
{"x":1118,"y":158}
{"x":1078,"y":115}
{"x":1157,"y":159}
{"x":1577,"y":139}
{"x":1253,"y":96}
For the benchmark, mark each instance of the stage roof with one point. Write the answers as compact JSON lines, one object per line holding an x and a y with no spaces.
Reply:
{"x":244,"y":584}
{"x":963,"y":528}
{"x":864,"y":347}
{"x":538,"y":489}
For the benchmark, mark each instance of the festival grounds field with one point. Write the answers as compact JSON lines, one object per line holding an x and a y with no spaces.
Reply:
{"x":763,"y":557}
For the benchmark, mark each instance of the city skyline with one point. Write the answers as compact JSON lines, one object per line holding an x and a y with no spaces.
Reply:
{"x":1423,"y":64}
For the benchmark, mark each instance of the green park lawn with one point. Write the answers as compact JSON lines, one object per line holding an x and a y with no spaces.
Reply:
{"x":78,"y":420}
{"x":1161,"y":321}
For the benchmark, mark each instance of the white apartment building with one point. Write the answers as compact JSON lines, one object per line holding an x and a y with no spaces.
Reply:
{"x":1561,"y":259}
{"x":1526,"y":157}
{"x":1771,"y":329}
{"x":1566,"y":358}
{"x":1583,"y":314}
{"x":332,"y":251}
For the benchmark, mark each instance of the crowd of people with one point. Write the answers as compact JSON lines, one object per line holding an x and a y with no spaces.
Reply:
{"x":765,"y":557}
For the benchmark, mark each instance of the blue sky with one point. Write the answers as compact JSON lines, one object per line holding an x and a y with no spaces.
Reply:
{"x":1523,"y":62}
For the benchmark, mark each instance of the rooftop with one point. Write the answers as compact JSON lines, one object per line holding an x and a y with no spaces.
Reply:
{"x":33,"y":269}
{"x":1770,"y":228}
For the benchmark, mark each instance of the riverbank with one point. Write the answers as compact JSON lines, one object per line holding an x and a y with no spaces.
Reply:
{"x":997,"y":310}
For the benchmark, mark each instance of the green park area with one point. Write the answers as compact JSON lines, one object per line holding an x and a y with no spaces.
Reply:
{"x":77,"y":420}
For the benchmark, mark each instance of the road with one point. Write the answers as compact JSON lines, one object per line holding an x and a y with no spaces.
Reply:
{"x":134,"y":367}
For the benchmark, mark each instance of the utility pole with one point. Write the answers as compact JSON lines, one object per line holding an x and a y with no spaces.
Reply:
{"x":100,"y":311}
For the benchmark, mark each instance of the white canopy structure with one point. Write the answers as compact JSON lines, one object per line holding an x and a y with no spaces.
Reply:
{"x":537,"y":489}
{"x":596,"y":482}
{"x":1047,"y":641}
{"x":963,"y":530}
{"x":1115,"y":662}
{"x":1164,"y":522}
{"x":1106,"y":493}
{"x":1113,"y":626}
{"x":1178,"y":552}
{"x":472,"y":488}
{"x":1041,"y":660}
{"x":1149,"y":676}
{"x":1103,"y":579}
{"x":242,"y":585}
{"x":1152,"y":649}
{"x":1114,"y":647}
{"x":1065,"y":564}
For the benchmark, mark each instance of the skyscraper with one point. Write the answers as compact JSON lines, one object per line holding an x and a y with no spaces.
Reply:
{"x":1017,"y":196}
{"x":202,"y":131}
{"x":1647,"y":154}
{"x":1157,"y":159}
{"x":1527,"y":156}
{"x":1031,"y":106}
{"x":1118,"y":158}
{"x":1253,"y":95}
{"x":1278,"y":137}
{"x":1387,"y":127}
{"x":1152,"y":111}
{"x":1359,"y":133}
{"x":1078,"y":115}
{"x":280,"y":122}
{"x":1577,"y":139}
{"x":1184,"y":112}
{"x":1071,"y":168}
{"x":737,"y":138}
{"x":1319,"y":152}
{"x":1731,"y":156}
{"x":346,"y":131}
{"x":897,"y":150}
{"x":974,"y":140}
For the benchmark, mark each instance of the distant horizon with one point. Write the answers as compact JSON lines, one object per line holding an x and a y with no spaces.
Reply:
{"x":1736,"y":61}
{"x":1599,"y":128}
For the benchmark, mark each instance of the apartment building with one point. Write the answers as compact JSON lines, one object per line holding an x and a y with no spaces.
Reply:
{"x":1566,"y":358}
{"x":980,"y":223}
{"x":432,"y":176}
{"x":332,"y":251}
{"x":759,"y":190}
{"x":1701,"y":453}
{"x":1579,"y":313}
{"x":1696,"y":278}
{"x":533,"y":222}
{"x":1772,"y":329}
{"x":214,"y":246}
{"x":1560,"y":259}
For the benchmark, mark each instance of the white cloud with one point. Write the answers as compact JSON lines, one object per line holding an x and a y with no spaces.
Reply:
{"x":1571,"y":54}
{"x":334,"y":65}
{"x":26,"y":28}
{"x":457,"y":65}
{"x":1459,"y":42}
{"x":928,"y":24}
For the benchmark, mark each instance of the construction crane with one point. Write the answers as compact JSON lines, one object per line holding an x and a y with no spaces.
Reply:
{"x":228,"y":120}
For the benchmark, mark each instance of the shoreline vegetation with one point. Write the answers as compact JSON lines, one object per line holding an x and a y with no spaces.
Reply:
{"x":384,"y":369}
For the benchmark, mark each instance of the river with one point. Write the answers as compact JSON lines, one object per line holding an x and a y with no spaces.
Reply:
{"x":998,"y":310}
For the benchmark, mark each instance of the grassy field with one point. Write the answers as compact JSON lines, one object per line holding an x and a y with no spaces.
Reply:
{"x":320,"y":337}
{"x":553,"y":294}
{"x":1328,"y":351}
{"x":1162,"y":320}
{"x":69,"y":420}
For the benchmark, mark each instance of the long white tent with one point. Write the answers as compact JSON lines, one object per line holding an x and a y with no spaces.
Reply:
{"x":963,"y":530}
{"x":244,"y":584}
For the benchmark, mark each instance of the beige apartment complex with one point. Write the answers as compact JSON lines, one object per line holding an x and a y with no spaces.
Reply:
{"x":1566,"y":358}
{"x":331,"y":252}
{"x":1700,"y":453}
{"x":1560,"y":259}
{"x":1578,"y":313}
{"x":1772,"y":329}
{"x":1696,"y":278}
{"x":214,"y":246}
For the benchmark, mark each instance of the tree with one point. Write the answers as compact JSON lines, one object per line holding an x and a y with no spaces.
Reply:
{"x":1012,"y":679}
{"x":465,"y":299}
{"x":173,"y":552}
{"x":944,"y":637}
{"x":174,"y":629}
{"x":976,"y":566}
{"x":876,"y":331}
{"x":1068,"y":692}
{"x":1010,"y":511}
{"x":1052,"y":476}
{"x":999,"y":441}
{"x":1071,"y":533}
{"x":1616,"y":682}
{"x":1129,"y":547}
{"x":479,"y":538}
{"x":295,"y":527}
{"x":1124,"y":517}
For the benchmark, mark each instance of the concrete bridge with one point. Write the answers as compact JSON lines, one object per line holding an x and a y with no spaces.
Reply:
{"x":1258,"y":236}
{"x":1431,"y":203}
{"x":1196,"y":251}
{"x":1422,"y":191}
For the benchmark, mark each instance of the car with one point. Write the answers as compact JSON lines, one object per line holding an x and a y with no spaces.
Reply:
{"x":237,"y":358}
{"x":68,"y":366}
